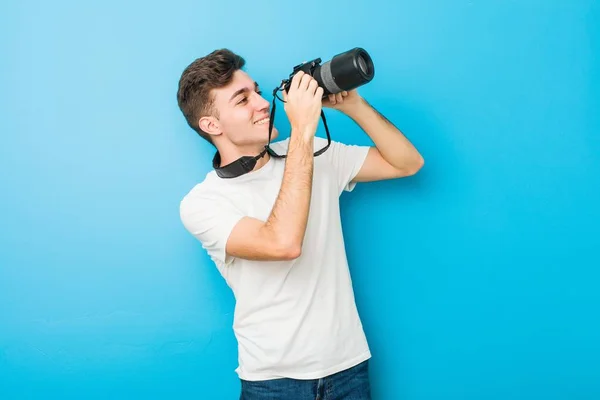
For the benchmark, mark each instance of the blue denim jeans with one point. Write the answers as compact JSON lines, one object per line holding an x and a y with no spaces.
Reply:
{"x":351,"y":384}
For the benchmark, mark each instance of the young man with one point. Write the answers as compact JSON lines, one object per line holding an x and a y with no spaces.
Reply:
{"x":272,"y":226}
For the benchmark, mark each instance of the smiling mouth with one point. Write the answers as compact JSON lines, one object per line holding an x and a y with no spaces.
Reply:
{"x":262,"y":121}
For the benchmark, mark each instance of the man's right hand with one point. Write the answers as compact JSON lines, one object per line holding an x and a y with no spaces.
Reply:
{"x":303,"y":104}
{"x":281,"y":235}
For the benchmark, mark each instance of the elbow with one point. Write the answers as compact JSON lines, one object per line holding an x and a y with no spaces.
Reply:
{"x":289,"y":250}
{"x":416,"y":165}
{"x":280,"y":246}
{"x":293,"y":253}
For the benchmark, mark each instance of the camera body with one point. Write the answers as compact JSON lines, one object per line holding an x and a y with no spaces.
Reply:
{"x":344,"y":72}
{"x":308,"y":67}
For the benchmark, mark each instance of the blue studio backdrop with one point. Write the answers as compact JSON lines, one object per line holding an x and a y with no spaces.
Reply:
{"x":477,"y":278}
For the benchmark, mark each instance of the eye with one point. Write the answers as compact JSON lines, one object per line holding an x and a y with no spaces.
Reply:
{"x":245,"y":99}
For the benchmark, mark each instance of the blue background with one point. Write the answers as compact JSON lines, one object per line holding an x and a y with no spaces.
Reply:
{"x":478,"y":278}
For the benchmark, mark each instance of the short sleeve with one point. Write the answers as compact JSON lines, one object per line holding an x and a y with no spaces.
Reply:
{"x":210,"y":220}
{"x":347,"y":161}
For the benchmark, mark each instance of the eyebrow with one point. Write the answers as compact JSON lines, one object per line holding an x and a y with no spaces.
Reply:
{"x":242,"y":90}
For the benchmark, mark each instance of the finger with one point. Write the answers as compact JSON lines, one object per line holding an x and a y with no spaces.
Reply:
{"x":344,"y":93}
{"x":313,"y":85}
{"x":339,"y":98}
{"x":319,"y":92}
{"x":306,"y":79}
{"x":331,"y":98}
{"x":297,"y":79}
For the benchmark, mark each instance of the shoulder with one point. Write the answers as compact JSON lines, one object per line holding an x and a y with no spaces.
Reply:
{"x":213,"y":196}
{"x":202,"y":187}
{"x":204,"y":192}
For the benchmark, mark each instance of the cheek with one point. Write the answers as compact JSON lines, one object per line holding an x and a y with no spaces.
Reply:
{"x":233,"y":119}
{"x":241,"y":115}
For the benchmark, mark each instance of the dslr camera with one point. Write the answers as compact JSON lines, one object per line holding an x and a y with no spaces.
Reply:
{"x":345,"y":71}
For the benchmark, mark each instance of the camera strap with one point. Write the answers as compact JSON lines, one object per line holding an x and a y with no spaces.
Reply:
{"x":239,"y":167}
{"x":272,"y":121}
{"x":246,"y":164}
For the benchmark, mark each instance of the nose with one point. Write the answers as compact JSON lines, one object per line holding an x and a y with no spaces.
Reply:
{"x":260,"y":102}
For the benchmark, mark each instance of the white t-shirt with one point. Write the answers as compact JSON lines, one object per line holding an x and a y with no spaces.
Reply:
{"x":296,"y":318}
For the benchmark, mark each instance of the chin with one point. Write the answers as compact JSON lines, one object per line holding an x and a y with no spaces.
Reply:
{"x":265,"y":130}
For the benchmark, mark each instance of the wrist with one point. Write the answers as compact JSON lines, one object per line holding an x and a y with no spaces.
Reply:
{"x":353,"y":108}
{"x":306,"y":132}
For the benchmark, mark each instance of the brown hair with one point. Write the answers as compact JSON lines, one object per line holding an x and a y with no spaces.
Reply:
{"x":194,"y":95}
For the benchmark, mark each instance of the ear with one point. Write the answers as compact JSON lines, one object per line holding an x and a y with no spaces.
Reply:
{"x":210,"y":125}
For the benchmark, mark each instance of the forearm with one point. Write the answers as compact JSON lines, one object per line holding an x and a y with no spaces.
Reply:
{"x":289,"y":216}
{"x":394,"y":147}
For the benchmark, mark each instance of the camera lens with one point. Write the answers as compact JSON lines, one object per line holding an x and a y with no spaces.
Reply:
{"x":363,"y":64}
{"x":345,"y":71}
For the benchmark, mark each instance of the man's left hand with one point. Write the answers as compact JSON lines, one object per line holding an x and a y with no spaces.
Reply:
{"x":345,"y":101}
